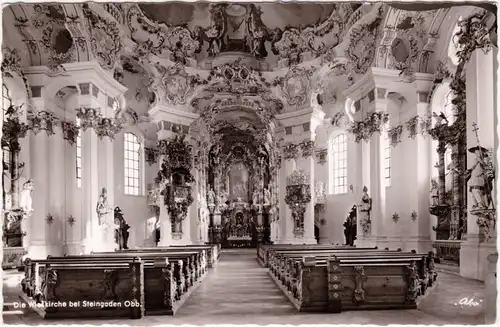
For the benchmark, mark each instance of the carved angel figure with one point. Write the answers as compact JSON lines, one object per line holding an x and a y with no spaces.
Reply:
{"x":434,"y":193}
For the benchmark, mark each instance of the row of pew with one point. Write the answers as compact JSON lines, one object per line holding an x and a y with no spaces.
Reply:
{"x":121,"y":284}
{"x":328,"y":278}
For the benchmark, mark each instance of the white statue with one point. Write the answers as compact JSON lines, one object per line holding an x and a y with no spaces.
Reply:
{"x":211,"y":196}
{"x":434,"y":193}
{"x":103,"y":207}
{"x":267,"y":197}
{"x":481,"y":177}
{"x":26,"y":202}
{"x":366,"y":202}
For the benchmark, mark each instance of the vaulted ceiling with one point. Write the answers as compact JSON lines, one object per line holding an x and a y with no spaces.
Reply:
{"x":215,"y":57}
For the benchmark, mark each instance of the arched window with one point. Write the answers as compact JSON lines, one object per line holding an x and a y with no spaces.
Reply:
{"x":339,"y":156}
{"x":132,"y":155}
{"x":78,"y":156}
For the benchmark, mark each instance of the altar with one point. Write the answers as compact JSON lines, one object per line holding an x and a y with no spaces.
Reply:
{"x":238,"y":225}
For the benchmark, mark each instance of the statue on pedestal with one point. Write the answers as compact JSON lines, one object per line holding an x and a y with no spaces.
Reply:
{"x":365,"y":209}
{"x":103,"y":207}
{"x":434,"y":193}
{"x":121,"y":230}
{"x":481,"y":177}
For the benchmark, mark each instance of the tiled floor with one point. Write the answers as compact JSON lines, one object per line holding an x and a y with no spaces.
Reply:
{"x":239,"y":291}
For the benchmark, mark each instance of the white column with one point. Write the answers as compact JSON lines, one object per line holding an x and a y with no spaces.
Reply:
{"x":90,"y":191}
{"x":71,"y":232}
{"x":307,"y":165}
{"x":194,"y":222}
{"x":57,"y":177}
{"x":365,"y":165}
{"x":286,"y":222}
{"x":481,"y":108}
{"x":106,"y":180}
{"x":417,"y":187}
{"x":38,"y":247}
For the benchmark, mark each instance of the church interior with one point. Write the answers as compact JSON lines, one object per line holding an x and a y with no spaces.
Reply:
{"x":224,"y":162}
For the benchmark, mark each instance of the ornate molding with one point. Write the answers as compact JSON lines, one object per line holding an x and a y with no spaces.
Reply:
{"x":307,"y":148}
{"x":70,"y":131}
{"x":151,"y":155}
{"x":89,"y":117}
{"x":295,"y":85}
{"x":395,"y":135}
{"x":359,"y":279}
{"x":105,"y":38}
{"x":42,"y":121}
{"x":290,"y":151}
{"x":364,"y":129}
{"x":321,"y":155}
{"x":107,"y":127}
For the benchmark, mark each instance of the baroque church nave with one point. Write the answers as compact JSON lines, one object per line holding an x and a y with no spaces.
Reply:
{"x":226,"y":127}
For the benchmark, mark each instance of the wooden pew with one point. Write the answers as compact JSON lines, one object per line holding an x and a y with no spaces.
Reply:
{"x":167,"y":283}
{"x":296,"y":276}
{"x":192,"y":269}
{"x":100,"y":289}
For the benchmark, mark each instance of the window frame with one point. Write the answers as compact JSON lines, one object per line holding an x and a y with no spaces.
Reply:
{"x":132,"y":164}
{"x":339,"y":164}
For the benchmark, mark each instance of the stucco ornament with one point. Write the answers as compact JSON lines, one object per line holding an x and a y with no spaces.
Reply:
{"x":105,"y":38}
{"x":362,"y":42}
{"x":42,"y":121}
{"x":237,"y":78}
{"x":154,"y":38}
{"x":295,"y":85}
{"x":11,"y":62}
{"x":175,"y":82}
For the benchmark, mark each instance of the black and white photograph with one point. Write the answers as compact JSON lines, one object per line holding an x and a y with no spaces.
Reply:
{"x":243,"y":162}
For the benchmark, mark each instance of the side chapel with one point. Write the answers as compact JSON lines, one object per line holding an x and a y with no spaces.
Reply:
{"x":130,"y":125}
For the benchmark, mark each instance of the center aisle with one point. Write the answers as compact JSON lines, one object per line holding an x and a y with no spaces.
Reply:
{"x":237,"y":289}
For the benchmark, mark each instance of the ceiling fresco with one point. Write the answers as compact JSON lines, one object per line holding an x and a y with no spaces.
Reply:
{"x":222,"y":61}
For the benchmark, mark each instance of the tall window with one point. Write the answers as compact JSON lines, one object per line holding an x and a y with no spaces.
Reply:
{"x":132,"y":149}
{"x":78,"y":156}
{"x":339,"y":152}
{"x":387,"y":159}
